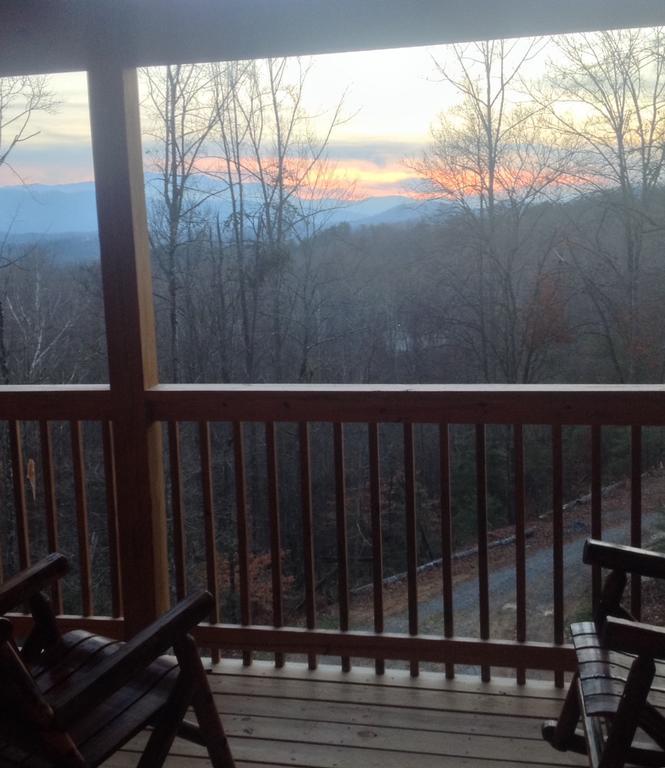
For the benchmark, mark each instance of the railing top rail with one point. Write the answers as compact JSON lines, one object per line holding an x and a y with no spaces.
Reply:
{"x":56,"y":402}
{"x":455,"y":404}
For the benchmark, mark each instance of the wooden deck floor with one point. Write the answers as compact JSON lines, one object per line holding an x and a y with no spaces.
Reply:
{"x":326,"y":719}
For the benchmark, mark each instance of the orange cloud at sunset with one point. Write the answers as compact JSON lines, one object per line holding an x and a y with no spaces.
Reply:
{"x":374,"y":179}
{"x":344,"y":177}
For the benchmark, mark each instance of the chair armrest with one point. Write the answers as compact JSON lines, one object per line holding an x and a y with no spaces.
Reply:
{"x":634,"y":637}
{"x":622,"y":558}
{"x":135,"y":655}
{"x":21,"y":587}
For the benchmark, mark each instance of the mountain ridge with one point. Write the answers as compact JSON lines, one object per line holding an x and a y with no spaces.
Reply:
{"x":44,"y":210}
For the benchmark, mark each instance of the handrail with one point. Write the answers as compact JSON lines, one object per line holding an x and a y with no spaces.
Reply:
{"x":55,"y":402}
{"x":563,"y":404}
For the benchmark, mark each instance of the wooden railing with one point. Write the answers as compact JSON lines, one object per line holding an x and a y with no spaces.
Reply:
{"x":443,"y":407}
{"x":227,"y":430}
{"x":58,"y":460}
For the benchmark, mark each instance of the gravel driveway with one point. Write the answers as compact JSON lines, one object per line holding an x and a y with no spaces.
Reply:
{"x":502,"y":592}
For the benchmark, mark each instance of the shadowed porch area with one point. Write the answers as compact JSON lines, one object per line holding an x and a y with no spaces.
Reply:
{"x":325,"y":718}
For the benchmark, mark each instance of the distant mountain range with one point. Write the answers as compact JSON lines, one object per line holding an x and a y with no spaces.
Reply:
{"x":55,"y":211}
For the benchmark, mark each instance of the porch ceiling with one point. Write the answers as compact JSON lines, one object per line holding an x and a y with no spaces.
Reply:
{"x":66,"y":35}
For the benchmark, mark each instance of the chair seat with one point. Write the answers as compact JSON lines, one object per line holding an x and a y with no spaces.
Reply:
{"x":603,"y":673}
{"x":121,"y":716}
{"x":72,"y":700}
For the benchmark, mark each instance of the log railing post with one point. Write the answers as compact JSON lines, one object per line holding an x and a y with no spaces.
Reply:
{"x":130,"y":333}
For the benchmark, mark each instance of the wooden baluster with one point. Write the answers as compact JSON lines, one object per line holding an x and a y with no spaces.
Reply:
{"x":50,"y":506}
{"x":377,"y":535}
{"x":179,"y":533}
{"x":483,"y":563}
{"x":411,"y":537}
{"x":520,"y":544}
{"x":209,"y":525}
{"x":275,"y":533}
{"x":342,"y":536}
{"x":635,"y":513}
{"x":557,"y":539}
{"x":308,"y":533}
{"x":18,"y":478}
{"x":446,"y":538}
{"x":78,"y":465}
{"x":112,"y":518}
{"x":241,"y":525}
{"x":596,"y":509}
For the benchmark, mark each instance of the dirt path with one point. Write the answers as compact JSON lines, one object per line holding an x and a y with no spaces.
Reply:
{"x":616,"y":505}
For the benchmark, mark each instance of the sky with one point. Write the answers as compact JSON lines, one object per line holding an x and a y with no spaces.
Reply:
{"x":391,"y":99}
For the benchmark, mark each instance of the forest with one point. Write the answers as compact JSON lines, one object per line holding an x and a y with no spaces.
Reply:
{"x":541,"y":263}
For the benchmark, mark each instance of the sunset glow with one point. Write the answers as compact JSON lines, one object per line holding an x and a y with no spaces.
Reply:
{"x":345,"y":177}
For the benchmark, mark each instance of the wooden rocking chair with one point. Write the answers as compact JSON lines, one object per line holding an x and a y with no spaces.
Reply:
{"x":618,"y":692}
{"x":72,"y":700}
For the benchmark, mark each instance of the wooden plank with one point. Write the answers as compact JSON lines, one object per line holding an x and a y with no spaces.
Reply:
{"x":179,"y":533}
{"x":18,"y":486}
{"x":396,"y":716}
{"x":378,"y":739}
{"x":426,"y":404}
{"x":520,"y":543}
{"x":307,"y":533}
{"x":377,"y":533}
{"x":241,"y":527}
{"x":428,"y":702}
{"x":557,"y":540}
{"x":112,"y":518}
{"x":82,"y":528}
{"x":130,"y":327}
{"x":50,"y":505}
{"x":596,"y":506}
{"x":446,"y":537}
{"x":635,"y":513}
{"x":38,"y":36}
{"x":102,"y":625}
{"x":209,"y":527}
{"x":502,"y":653}
{"x":83,"y":402}
{"x":283,"y":753}
{"x":483,"y":561}
{"x":275,"y":532}
{"x":342,"y":535}
{"x":411,"y":536}
{"x":399,"y":678}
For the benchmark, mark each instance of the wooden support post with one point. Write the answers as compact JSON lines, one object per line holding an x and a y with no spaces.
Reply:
{"x":130,"y":333}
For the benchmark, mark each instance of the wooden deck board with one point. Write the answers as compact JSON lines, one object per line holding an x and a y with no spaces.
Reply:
{"x":330,"y":719}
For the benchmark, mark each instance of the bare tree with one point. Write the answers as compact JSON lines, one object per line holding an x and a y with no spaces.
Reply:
{"x":491,"y":158}
{"x":180,"y":115}
{"x":607,"y":95}
{"x":278,"y":182}
{"x":21,"y":99}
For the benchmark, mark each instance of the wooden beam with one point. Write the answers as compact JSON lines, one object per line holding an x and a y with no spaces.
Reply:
{"x":459,"y":650}
{"x":97,"y":625}
{"x":55,"y":402}
{"x":65,"y":35}
{"x":130,"y":331}
{"x":427,"y":404}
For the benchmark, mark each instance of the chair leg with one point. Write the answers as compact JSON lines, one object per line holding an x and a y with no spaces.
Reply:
{"x":626,"y":720}
{"x":210,"y":725}
{"x":561,"y":733}
{"x":166,"y":727}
